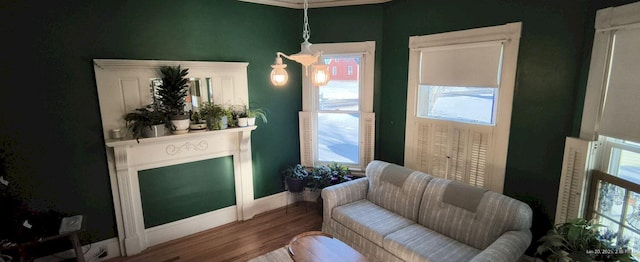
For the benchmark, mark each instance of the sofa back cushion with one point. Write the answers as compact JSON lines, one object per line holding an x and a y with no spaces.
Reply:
{"x":477,"y":222}
{"x":396,"y":188}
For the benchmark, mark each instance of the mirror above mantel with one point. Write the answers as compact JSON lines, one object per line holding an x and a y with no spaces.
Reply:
{"x":124,"y":85}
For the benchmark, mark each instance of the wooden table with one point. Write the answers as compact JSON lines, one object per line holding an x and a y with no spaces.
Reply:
{"x":23,"y":247}
{"x":317,"y":246}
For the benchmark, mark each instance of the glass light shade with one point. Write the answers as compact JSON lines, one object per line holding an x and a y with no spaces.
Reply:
{"x":279,"y":76}
{"x":320,"y":75}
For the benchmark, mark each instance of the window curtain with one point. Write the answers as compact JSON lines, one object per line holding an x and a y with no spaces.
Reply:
{"x":467,"y":65}
{"x":619,"y":117}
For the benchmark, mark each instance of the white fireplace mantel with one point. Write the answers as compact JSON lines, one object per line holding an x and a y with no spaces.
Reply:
{"x":124,"y":85}
{"x":130,"y":157}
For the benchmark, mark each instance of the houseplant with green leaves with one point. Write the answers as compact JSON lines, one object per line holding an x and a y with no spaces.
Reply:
{"x":172,"y":95}
{"x":581,"y":240}
{"x":295,"y":177}
{"x":256,"y":113}
{"x":240,"y":114}
{"x":328,"y":175}
{"x":215,"y":115}
{"x":147,"y":121}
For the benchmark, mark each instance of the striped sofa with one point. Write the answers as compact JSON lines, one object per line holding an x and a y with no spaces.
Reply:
{"x":398,"y":214}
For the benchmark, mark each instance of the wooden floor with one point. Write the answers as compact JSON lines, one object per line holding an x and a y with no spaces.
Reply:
{"x":237,"y":241}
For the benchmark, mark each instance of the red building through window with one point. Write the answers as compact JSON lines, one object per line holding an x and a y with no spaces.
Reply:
{"x":343,"y":68}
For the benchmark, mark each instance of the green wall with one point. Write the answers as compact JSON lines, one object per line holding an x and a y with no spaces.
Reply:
{"x":49,"y":103}
{"x":51,"y":134}
{"x":180,"y":191}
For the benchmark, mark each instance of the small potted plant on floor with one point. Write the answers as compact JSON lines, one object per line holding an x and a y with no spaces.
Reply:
{"x":147,"y":121}
{"x":172,"y":94}
{"x":328,"y":175}
{"x":295,"y":178}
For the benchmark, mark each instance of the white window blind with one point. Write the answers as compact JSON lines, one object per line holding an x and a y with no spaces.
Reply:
{"x":620,"y":110}
{"x":471,"y":65}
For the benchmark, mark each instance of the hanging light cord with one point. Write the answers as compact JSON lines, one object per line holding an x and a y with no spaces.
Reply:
{"x":306,"y":31}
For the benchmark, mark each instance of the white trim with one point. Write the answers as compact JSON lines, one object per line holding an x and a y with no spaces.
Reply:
{"x":618,"y":16}
{"x":191,"y":225}
{"x":310,"y":110}
{"x":111,"y":245}
{"x":460,"y":46}
{"x":508,"y":32}
{"x":91,"y":252}
{"x":111,"y":64}
{"x":130,"y":158}
{"x":298,"y":4}
{"x":368,"y":50}
{"x":510,"y":35}
{"x":608,"y":20}
{"x":123,"y":85}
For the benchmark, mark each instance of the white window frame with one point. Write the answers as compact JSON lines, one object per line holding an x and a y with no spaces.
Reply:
{"x":608,"y":20}
{"x":310,"y":94}
{"x":498,"y":137}
{"x":592,"y":151}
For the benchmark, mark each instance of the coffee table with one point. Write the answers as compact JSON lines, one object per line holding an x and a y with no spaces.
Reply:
{"x":318,"y":246}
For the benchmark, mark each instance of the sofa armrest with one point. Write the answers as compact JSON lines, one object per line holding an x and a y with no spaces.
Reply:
{"x":509,"y":247}
{"x":343,"y":193}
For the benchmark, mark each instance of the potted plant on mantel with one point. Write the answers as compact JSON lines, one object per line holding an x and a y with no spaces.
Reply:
{"x":252,"y":114}
{"x":173,"y":92}
{"x":214,"y":115}
{"x":147,"y":121}
{"x":239,"y":113}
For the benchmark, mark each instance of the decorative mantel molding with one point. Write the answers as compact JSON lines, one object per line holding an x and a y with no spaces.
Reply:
{"x":131,"y":157}
{"x":124,"y":85}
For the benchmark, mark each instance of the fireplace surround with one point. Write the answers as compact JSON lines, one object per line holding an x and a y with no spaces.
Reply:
{"x":124,"y":85}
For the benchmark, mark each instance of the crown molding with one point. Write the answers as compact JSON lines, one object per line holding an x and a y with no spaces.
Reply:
{"x":299,"y":4}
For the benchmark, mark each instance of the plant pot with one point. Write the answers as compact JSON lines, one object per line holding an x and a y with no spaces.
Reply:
{"x":243,"y":121}
{"x":224,"y":122}
{"x":251,"y":121}
{"x":294,"y":185}
{"x":180,"y":124}
{"x":154,"y":131}
{"x":198,"y":126}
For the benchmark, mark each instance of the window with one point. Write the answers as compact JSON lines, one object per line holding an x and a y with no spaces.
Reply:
{"x":474,"y":105}
{"x":338,"y":118}
{"x":350,"y":70}
{"x":337,"y":121}
{"x":610,"y":120}
{"x":622,"y":158}
{"x":460,"y":92}
{"x":618,"y":207}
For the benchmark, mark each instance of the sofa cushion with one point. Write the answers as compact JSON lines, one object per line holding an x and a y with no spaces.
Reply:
{"x":396,"y":188}
{"x":369,"y":220}
{"x":494,"y":215}
{"x":417,"y":243}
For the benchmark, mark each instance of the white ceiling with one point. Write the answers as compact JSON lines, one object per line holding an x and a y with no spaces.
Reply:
{"x":299,"y":4}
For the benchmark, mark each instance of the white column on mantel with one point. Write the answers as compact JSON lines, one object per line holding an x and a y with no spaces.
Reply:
{"x":131,"y":156}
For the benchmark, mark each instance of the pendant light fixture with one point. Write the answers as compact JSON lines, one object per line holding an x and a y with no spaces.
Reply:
{"x":306,"y":57}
